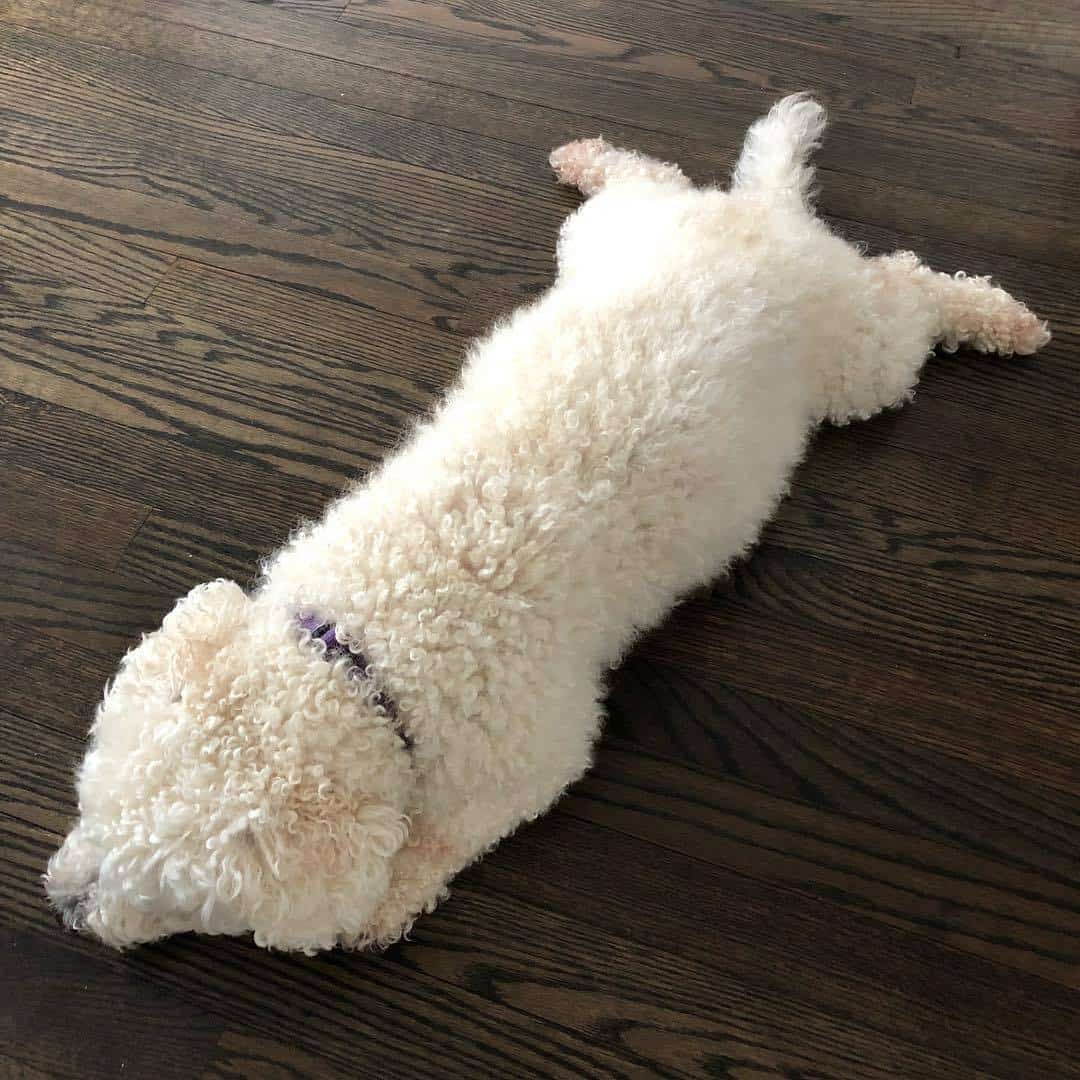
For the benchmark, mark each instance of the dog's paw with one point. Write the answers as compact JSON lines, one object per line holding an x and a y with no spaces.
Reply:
{"x":577,"y":163}
{"x":801,"y":115}
{"x":1028,"y":333}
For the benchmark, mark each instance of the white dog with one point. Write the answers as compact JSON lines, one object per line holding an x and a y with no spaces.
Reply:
{"x":421,"y":671}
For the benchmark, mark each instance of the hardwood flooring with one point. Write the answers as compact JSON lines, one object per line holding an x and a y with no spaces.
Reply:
{"x":833,"y":829}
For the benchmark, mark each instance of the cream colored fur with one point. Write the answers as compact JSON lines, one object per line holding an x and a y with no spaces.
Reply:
{"x":608,"y":448}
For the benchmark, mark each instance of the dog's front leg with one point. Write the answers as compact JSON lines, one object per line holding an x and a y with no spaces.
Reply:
{"x":421,"y":871}
{"x":468,"y":822}
{"x":593,"y":164}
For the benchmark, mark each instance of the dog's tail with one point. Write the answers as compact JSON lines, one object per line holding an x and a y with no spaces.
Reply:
{"x":774,"y":155}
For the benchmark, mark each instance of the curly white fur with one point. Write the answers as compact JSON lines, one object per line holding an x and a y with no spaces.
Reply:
{"x":608,"y":448}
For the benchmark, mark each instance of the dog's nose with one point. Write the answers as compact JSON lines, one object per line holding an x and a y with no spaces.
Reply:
{"x":66,"y":906}
{"x":72,"y":905}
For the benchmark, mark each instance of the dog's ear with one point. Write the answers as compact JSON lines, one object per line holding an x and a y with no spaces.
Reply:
{"x":201,"y":623}
{"x":207,"y":610}
{"x":154,"y":673}
{"x":196,"y":628}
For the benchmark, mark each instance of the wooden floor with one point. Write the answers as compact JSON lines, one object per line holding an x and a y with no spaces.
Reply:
{"x":834,"y":826}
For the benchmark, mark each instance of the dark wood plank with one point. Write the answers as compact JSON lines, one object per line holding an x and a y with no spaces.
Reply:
{"x":936,"y":545}
{"x":361,"y":201}
{"x":769,"y":935}
{"x":653,"y":1011}
{"x":38,"y":256}
{"x":942,"y":154}
{"x":413,"y":360}
{"x":100,"y":610}
{"x":1002,"y":21}
{"x":867,"y":970}
{"x":178,"y":551}
{"x":703,"y":22}
{"x":136,"y":1034}
{"x":707,"y":154}
{"x":993,"y":909}
{"x":176,"y":473}
{"x":653,"y":42}
{"x":43,"y":512}
{"x":906,"y":143}
{"x":289,"y":85}
{"x":460,"y":63}
{"x":703,"y":1023}
{"x":135,"y":138}
{"x":1020,"y":507}
{"x":176,"y":229}
{"x":846,"y":765}
{"x":972,"y":82}
{"x":159,"y":372}
{"x":936,"y":667}
{"x":454,"y":945}
{"x":624,"y":92}
{"x":53,"y":682}
{"x":1052,"y":63}
{"x":317,"y":9}
{"x":179,"y":87}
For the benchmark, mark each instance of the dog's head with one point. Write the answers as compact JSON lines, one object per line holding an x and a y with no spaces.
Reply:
{"x":235,"y":782}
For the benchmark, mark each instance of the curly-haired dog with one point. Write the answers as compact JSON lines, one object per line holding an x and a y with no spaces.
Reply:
{"x":420,"y":671}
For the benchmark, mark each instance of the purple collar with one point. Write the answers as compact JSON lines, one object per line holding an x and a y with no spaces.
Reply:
{"x":327,"y":633}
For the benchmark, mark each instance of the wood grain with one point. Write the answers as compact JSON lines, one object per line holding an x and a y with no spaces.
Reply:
{"x":460,"y":63}
{"x":38,"y":977}
{"x":653,"y":43}
{"x":362,"y":201}
{"x":176,"y":229}
{"x":61,"y":519}
{"x":1016,"y":917}
{"x":939,"y":686}
{"x":980,"y":20}
{"x":801,"y":753}
{"x":38,"y":256}
{"x":175,"y":473}
{"x":53,"y":682}
{"x":617,"y":1009}
{"x":76,"y":603}
{"x":318,"y":9}
{"x":178,"y":376}
{"x":767,"y":935}
{"x":941,"y":154}
{"x":722,"y":1023}
{"x":831,"y":827}
{"x":349,"y":81}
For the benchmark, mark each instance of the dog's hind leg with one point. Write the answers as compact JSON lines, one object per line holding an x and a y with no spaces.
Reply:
{"x":977,"y":313}
{"x":593,"y":164}
{"x":905,"y":310}
{"x":972,"y":311}
{"x":774,"y":159}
